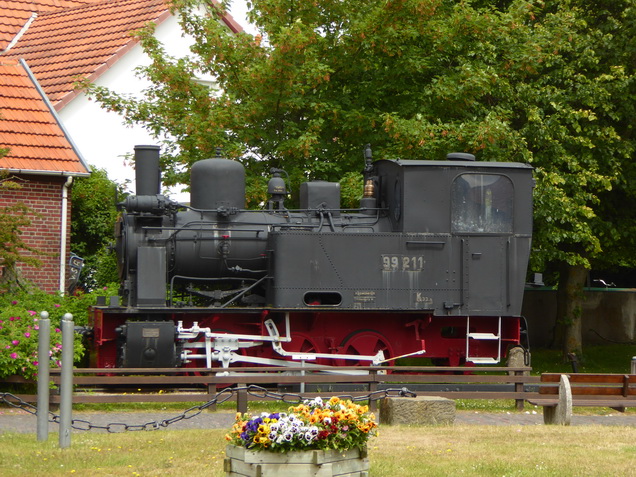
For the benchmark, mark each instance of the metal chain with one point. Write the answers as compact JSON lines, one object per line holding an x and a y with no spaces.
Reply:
{"x":221,"y":397}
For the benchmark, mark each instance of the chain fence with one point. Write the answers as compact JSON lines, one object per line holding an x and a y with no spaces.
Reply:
{"x":222,"y":396}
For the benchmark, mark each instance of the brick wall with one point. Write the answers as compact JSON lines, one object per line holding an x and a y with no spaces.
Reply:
{"x":43,"y":194}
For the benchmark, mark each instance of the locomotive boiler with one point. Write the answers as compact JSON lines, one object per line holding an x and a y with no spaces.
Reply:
{"x":432,"y":263}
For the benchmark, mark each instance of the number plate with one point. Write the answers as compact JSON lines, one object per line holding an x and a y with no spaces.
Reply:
{"x":402,"y":263}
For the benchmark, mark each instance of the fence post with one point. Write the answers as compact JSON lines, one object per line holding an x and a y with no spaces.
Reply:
{"x":66,"y":380}
{"x":373,"y":386}
{"x":633,"y":365}
{"x":519,"y":388}
{"x":44,"y":346}
{"x":241,"y":401}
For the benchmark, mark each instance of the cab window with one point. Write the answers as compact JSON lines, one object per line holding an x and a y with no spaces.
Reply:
{"x":482,"y":203}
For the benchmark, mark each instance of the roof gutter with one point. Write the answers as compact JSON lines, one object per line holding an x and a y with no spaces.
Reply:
{"x":64,"y":234}
{"x":47,"y":173}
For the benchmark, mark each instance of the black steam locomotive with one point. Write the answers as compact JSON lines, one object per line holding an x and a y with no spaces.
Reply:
{"x":432,"y":263}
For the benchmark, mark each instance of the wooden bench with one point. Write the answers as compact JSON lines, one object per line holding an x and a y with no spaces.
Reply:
{"x":560,"y":392}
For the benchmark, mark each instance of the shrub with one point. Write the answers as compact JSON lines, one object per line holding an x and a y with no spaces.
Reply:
{"x":19,"y":327}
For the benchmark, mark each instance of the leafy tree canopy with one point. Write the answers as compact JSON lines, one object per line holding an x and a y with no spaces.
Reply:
{"x":520,"y":81}
{"x":93,"y":219}
{"x":548,"y":83}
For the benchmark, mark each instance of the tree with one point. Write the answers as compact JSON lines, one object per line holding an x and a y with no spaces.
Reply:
{"x":13,"y":249}
{"x":93,"y":220}
{"x":509,"y":80}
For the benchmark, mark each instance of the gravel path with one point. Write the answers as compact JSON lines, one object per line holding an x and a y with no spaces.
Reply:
{"x":20,"y":421}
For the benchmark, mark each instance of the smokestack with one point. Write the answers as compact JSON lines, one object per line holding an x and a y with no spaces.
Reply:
{"x":147,"y":173}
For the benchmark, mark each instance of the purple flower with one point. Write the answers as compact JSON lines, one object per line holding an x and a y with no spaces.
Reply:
{"x":36,"y":363}
{"x":15,"y":342}
{"x":14,"y":302}
{"x":27,"y":335}
{"x":57,"y":330}
{"x":14,"y":355}
{"x":31,"y":312}
{"x":57,"y":306}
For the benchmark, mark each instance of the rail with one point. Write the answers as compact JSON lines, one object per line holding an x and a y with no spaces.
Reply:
{"x":98,"y":385}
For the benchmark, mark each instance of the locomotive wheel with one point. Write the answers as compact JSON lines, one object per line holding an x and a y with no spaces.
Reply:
{"x":303,"y":343}
{"x":365,"y":342}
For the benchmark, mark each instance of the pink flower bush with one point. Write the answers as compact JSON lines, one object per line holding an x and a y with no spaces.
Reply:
{"x":20,"y":325}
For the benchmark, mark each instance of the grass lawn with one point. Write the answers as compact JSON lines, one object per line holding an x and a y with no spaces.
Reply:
{"x":614,"y":358}
{"x":399,"y":450}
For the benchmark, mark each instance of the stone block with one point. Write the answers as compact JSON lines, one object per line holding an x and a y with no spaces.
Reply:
{"x":420,"y":410}
{"x":561,"y":414}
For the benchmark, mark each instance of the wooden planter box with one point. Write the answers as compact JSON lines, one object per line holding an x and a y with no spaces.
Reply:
{"x":316,"y":463}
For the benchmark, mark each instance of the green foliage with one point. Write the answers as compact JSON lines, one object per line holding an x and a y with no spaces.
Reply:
{"x":13,"y":218}
{"x":547,"y":83}
{"x":93,"y":220}
{"x":516,"y":80}
{"x":19,"y":318}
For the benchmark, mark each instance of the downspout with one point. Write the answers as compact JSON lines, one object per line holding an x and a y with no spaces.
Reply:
{"x":65,"y":187}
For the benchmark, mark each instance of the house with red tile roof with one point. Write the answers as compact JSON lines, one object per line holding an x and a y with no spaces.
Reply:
{"x":43,"y":161}
{"x":52,"y":130}
{"x":63,"y":40}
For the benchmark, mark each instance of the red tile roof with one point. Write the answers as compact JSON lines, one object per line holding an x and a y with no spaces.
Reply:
{"x":29,"y":127}
{"x":84,"y":41}
{"x":14,"y":14}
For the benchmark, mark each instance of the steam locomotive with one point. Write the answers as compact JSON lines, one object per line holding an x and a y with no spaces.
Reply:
{"x":431,"y":264}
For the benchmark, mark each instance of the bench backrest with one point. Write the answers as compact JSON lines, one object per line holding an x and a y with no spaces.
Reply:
{"x":591,"y":384}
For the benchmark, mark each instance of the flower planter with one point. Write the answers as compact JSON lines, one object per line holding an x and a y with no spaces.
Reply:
{"x":316,"y":463}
